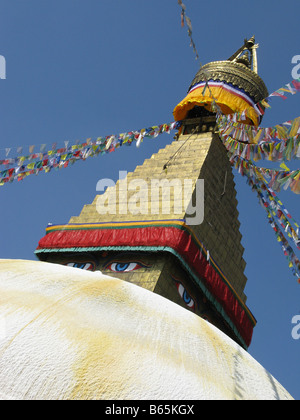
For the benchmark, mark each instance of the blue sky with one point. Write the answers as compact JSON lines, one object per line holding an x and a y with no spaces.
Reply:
{"x":87,"y":68}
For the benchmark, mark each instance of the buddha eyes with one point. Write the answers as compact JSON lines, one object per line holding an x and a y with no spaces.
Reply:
{"x":124,"y":267}
{"x":128,"y":267}
{"x":116,"y":267}
{"x":82,"y":266}
{"x":188,"y":300}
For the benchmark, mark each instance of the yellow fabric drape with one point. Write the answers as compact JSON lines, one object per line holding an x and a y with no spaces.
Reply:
{"x":228,"y":101}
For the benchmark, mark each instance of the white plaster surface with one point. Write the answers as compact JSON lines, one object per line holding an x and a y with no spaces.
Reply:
{"x":69,"y":334}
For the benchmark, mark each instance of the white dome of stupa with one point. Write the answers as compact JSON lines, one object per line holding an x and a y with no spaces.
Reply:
{"x":69,"y":334}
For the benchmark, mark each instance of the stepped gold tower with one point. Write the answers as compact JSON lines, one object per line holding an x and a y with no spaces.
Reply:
{"x":172,"y":225}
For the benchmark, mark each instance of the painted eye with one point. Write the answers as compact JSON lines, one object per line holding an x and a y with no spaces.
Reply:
{"x":123,"y":267}
{"x":82,"y":266}
{"x":188,"y":300}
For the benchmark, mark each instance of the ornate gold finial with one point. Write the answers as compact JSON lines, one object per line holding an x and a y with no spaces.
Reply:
{"x":247,"y":55}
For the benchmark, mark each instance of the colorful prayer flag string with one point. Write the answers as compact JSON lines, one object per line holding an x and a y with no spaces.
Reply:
{"x":33,"y":164}
{"x":276,"y":151}
{"x":274,"y":211}
{"x":256,"y":135}
{"x":185,"y":18}
{"x":246,"y":144}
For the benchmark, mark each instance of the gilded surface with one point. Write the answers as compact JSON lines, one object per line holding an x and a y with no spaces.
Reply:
{"x":235,"y":73}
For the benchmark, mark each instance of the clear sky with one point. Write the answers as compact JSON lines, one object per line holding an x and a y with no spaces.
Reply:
{"x":79,"y":69}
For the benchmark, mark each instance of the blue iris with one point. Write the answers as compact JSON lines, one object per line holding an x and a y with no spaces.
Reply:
{"x":79,"y":265}
{"x":122,"y":266}
{"x":186,"y":297}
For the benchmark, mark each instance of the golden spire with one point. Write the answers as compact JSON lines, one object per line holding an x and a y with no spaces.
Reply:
{"x":242,"y":55}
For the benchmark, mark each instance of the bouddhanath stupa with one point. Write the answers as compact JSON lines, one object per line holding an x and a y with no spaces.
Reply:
{"x":175,"y":231}
{"x":141,"y":296}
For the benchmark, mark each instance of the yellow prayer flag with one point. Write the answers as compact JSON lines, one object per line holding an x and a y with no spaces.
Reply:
{"x":265,"y":104}
{"x":282,"y":131}
{"x":258,"y":135}
{"x":295,"y":127}
{"x":283,"y":166}
{"x":270,"y":157}
{"x":295,"y":184}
